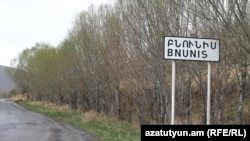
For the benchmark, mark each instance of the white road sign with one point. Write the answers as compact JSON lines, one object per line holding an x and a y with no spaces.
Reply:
{"x":199,"y":49}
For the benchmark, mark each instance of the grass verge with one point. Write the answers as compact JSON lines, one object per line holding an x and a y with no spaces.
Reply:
{"x":106,"y":129}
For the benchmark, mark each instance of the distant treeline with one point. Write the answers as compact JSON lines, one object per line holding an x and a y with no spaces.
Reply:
{"x":112,"y":62}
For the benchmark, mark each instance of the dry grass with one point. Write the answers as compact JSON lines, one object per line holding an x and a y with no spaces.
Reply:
{"x":64,"y":107}
{"x":18,"y":97}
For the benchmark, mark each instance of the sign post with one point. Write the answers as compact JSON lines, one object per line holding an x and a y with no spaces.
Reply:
{"x":208,"y":92}
{"x":173,"y":92}
{"x":192,"y":49}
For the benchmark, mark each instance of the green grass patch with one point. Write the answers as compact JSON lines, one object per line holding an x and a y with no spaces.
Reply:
{"x":106,"y":129}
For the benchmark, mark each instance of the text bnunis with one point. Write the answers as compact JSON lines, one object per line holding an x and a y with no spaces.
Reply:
{"x":189,"y":48}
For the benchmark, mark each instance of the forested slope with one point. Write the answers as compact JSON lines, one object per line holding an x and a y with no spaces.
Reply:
{"x":6,"y":82}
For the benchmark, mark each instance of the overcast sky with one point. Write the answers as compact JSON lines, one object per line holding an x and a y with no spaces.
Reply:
{"x":26,"y":22}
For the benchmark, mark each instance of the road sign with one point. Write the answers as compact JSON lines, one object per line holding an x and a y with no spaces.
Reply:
{"x":198,"y":49}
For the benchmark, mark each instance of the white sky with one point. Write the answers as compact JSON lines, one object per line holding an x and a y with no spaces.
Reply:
{"x":26,"y":22}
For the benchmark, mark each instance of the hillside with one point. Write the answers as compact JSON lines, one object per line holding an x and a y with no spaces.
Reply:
{"x":6,"y":82}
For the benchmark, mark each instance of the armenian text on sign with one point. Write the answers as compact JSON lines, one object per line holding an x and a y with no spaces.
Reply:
{"x":199,"y":49}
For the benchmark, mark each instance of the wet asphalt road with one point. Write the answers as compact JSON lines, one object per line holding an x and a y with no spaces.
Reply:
{"x":19,"y":124}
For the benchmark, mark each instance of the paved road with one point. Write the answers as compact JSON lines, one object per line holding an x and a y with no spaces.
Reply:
{"x":19,"y":124}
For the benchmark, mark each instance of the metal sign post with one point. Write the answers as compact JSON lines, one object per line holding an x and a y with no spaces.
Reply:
{"x":194,"y":49}
{"x":208,"y":92}
{"x":173,"y":93}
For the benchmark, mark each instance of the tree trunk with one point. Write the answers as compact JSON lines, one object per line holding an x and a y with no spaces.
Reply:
{"x":243,"y":71}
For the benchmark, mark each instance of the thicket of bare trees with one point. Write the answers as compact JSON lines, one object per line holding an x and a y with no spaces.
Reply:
{"x":112,"y":62}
